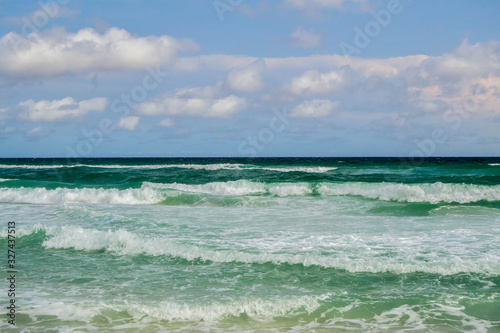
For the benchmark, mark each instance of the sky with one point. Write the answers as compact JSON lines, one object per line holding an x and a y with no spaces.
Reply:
{"x":241,"y":78}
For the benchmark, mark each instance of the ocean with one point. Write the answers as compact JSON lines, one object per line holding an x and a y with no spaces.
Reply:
{"x":253,"y":245}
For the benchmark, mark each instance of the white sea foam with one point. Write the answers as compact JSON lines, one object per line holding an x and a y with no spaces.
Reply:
{"x":62,"y":311}
{"x":494,"y":164}
{"x":294,"y":189}
{"x":238,"y":188}
{"x":419,"y":318}
{"x":255,"y":308}
{"x":230,"y":188}
{"x":29,"y":166}
{"x":206,"y":315}
{"x":209,"y":167}
{"x":153,"y":193}
{"x":215,"y":166}
{"x":32,"y":229}
{"x":122,"y":242}
{"x":431,"y":193}
{"x":141,"y":196}
{"x":218,"y":166}
{"x":301,"y":169}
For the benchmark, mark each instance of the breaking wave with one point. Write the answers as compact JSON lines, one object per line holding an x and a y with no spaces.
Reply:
{"x":124,"y":243}
{"x":209,"y":167}
{"x":430,"y":193}
{"x":154,"y":193}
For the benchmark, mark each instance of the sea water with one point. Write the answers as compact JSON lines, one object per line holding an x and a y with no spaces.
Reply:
{"x":253,"y":245}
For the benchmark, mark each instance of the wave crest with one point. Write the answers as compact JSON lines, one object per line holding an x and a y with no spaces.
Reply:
{"x":154,"y":193}
{"x":208,"y":167}
{"x":254,"y":308}
{"x":122,"y":242}
{"x":428,"y":193}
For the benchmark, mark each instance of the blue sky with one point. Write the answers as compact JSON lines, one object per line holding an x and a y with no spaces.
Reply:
{"x":249,"y":78}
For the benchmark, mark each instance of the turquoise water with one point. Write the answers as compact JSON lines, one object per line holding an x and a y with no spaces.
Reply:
{"x":324,"y":245}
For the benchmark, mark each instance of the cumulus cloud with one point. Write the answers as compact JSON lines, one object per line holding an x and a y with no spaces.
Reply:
{"x":247,"y":79}
{"x":128,"y":123}
{"x":469,"y":72}
{"x":223,"y":62}
{"x":306,"y":39}
{"x":419,"y":82}
{"x":315,"y":108}
{"x":52,"y":53}
{"x":313,"y":82}
{"x":195,"y":102}
{"x":465,"y":62}
{"x":59,"y":110}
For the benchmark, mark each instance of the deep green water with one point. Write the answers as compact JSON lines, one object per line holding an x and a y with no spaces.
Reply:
{"x":325,"y":245}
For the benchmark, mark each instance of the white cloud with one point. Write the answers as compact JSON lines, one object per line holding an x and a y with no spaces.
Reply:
{"x":306,"y":39}
{"x":166,"y":123}
{"x":315,"y":108}
{"x":418,"y":82}
{"x":59,"y":110}
{"x":223,"y":62}
{"x":195,"y":102}
{"x":247,"y":79}
{"x":470,"y":72}
{"x":314,"y":82}
{"x":54,"y":52}
{"x":128,"y":123}
{"x":465,"y":62}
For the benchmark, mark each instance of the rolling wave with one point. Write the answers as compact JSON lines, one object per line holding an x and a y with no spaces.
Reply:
{"x":254,"y":307}
{"x":155,"y":193}
{"x":300,"y":169}
{"x":208,"y":167}
{"x":205,"y":315}
{"x":142,"y":196}
{"x":427,"y":193}
{"x":29,"y":166}
{"x":124,"y":243}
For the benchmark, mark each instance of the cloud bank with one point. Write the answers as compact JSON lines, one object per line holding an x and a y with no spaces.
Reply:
{"x":56,"y":52}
